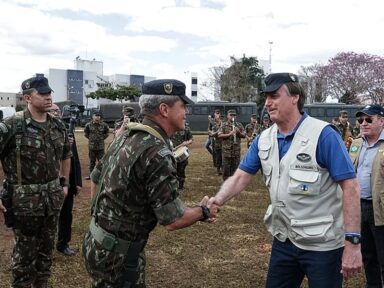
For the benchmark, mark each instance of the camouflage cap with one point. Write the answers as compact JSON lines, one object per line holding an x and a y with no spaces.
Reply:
{"x":128,"y":111}
{"x":217,"y":111}
{"x":169,"y":87}
{"x":40,"y":83}
{"x":343,"y":112}
{"x":231,"y":111}
{"x":254,"y":115}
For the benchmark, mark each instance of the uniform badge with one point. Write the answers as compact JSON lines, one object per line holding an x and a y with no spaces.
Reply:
{"x":354,"y":148}
{"x":164,"y":152}
{"x":27,"y":85}
{"x":293,"y":77}
{"x":303,"y":157}
{"x":168,"y":88}
{"x":303,"y":187}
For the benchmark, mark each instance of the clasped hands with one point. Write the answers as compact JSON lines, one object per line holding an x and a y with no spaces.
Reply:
{"x":214,"y":209}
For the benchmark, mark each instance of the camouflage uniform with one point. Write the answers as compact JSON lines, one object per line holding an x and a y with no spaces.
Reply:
{"x":96,"y":134}
{"x":230,"y":149}
{"x":37,"y":196}
{"x":127,"y":111}
{"x":216,"y":147}
{"x":178,"y":138}
{"x":137,"y":189}
{"x":251,"y":132}
{"x":345,"y":132}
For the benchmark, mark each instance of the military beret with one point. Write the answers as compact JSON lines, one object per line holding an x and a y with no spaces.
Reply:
{"x":169,"y":87}
{"x":232,"y":111}
{"x":40,"y":83}
{"x":274,"y":81}
{"x":373,"y":109}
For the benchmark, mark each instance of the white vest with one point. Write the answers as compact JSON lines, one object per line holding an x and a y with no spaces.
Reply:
{"x":306,"y":202}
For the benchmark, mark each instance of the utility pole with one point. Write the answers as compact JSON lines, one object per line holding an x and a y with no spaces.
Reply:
{"x":270,"y":56}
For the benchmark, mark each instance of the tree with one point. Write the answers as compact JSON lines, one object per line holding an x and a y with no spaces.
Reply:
{"x":242,"y":81}
{"x":350,"y":77}
{"x":313,"y":83}
{"x":119,"y":93}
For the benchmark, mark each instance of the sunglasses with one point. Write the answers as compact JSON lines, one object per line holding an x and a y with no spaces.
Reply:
{"x":368,"y":120}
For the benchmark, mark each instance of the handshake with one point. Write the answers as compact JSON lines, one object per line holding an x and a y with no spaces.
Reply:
{"x":210,"y":209}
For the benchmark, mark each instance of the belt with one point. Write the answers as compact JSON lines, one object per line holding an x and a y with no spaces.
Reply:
{"x":107,"y":240}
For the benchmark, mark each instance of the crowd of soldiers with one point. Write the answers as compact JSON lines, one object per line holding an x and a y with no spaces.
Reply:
{"x":345,"y":128}
{"x":225,"y":138}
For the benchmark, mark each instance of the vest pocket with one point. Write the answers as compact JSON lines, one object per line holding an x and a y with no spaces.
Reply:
{"x":312,"y":230}
{"x":27,"y":201}
{"x":264,"y":150}
{"x":267,"y":174}
{"x":304,"y":182}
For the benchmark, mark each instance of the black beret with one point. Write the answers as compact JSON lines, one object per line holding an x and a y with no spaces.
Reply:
{"x":274,"y":81}
{"x":40,"y":83}
{"x":169,"y":87}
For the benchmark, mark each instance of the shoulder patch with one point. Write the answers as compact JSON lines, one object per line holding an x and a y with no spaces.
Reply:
{"x":164,"y":152}
{"x":3,"y":128}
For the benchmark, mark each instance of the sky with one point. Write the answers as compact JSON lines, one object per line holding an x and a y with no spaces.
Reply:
{"x":172,"y":38}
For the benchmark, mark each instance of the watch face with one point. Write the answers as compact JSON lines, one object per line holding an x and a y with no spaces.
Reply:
{"x":353,"y":239}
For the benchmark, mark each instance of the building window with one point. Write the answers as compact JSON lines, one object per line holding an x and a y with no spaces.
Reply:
{"x":194,"y":80}
{"x":194,"y":93}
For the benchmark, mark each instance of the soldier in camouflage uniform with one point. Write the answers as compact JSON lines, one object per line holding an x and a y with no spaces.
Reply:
{"x":35,"y":152}
{"x":231,"y":133}
{"x":216,"y":141}
{"x":180,"y":139}
{"x":128,"y":116}
{"x":137,"y":188}
{"x":345,"y":128}
{"x":251,"y":129}
{"x":96,"y":131}
{"x":266,"y":123}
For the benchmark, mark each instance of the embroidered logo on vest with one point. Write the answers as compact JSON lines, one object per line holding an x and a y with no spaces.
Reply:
{"x":303,"y":157}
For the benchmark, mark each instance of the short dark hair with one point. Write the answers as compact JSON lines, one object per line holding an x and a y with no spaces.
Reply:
{"x":295,"y":88}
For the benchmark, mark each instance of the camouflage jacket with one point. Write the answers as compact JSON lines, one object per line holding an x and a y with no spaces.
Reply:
{"x":345,"y":130}
{"x":250,"y":129}
{"x":216,"y":141}
{"x":229,"y":146}
{"x":96,"y":134}
{"x":181,"y":136}
{"x":139,"y":187}
{"x":43,"y":147}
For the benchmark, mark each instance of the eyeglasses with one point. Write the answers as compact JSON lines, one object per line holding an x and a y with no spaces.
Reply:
{"x":369,"y":120}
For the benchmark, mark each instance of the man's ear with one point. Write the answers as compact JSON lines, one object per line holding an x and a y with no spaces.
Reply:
{"x":27,"y":98}
{"x":164,"y":109}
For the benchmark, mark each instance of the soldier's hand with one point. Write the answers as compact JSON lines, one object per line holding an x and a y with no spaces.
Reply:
{"x":2,"y":208}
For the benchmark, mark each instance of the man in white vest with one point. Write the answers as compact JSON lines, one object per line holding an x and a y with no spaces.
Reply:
{"x":314,"y":214}
{"x":367,"y":154}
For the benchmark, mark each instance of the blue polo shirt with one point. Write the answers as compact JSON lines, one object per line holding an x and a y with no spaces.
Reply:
{"x":330,"y":153}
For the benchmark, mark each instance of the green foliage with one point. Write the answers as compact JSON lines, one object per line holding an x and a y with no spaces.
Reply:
{"x":119,"y":93}
{"x":242,"y":81}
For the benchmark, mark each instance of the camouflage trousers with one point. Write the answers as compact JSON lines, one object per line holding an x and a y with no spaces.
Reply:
{"x":181,"y":172}
{"x":94,"y":155}
{"x":32,"y":254}
{"x":218,"y":162}
{"x":230,"y":164}
{"x":108,"y":269}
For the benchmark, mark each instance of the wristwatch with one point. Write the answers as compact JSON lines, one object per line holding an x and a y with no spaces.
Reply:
{"x":206,"y":213}
{"x":353,"y":238}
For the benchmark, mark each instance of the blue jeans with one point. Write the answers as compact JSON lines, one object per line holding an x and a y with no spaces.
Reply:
{"x":289,"y":264}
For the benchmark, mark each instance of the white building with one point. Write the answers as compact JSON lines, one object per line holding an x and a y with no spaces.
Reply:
{"x":74,"y":85}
